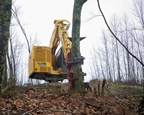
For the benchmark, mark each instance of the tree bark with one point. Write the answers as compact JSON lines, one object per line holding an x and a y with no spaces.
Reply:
{"x":77,"y":70}
{"x":5,"y":17}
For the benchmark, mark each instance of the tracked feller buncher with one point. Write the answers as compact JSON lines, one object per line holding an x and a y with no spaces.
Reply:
{"x":53,"y":63}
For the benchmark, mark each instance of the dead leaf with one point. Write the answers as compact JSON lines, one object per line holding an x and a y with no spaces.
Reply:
{"x":87,"y":110}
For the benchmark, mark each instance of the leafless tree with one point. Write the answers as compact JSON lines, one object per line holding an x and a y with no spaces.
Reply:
{"x":125,"y":46}
{"x":94,"y":65}
{"x":138,"y":11}
{"x":134,"y":56}
{"x":18,"y":53}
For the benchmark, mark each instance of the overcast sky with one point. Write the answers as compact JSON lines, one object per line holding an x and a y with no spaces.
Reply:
{"x":38,"y":17}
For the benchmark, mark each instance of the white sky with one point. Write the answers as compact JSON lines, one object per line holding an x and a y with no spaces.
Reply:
{"x":38,"y":17}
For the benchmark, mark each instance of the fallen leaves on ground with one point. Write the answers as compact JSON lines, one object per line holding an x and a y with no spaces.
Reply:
{"x":26,"y":101}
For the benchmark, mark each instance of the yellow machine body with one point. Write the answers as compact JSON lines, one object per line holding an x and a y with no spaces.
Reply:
{"x":47,"y":64}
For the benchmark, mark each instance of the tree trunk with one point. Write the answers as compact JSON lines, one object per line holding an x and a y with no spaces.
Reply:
{"x":77,"y":70}
{"x":5,"y":17}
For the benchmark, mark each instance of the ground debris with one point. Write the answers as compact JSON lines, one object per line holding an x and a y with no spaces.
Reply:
{"x":33,"y":101}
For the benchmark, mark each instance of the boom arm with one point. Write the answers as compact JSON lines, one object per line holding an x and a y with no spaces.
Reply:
{"x":60,"y":34}
{"x":46,"y":64}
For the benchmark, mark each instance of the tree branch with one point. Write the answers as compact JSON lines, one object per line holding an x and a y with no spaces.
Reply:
{"x":30,"y":111}
{"x":22,"y":29}
{"x":117,"y":37}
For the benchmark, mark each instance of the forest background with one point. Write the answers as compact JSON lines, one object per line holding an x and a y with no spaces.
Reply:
{"x":105,"y":57}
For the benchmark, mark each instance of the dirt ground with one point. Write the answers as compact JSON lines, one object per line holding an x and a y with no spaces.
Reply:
{"x":48,"y":100}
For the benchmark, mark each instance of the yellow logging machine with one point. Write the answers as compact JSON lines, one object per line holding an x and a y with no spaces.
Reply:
{"x":46,"y":63}
{"x":53,"y":63}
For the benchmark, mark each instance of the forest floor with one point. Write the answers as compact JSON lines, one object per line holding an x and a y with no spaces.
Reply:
{"x":46,"y":100}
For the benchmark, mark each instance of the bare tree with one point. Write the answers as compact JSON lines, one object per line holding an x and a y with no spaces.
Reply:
{"x":94,"y":64}
{"x":17,"y":49}
{"x":107,"y":56}
{"x":134,"y":56}
{"x":15,"y":14}
{"x":138,"y":11}
{"x":126,"y":46}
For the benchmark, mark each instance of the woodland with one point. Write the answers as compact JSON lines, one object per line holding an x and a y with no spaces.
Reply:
{"x":119,"y":60}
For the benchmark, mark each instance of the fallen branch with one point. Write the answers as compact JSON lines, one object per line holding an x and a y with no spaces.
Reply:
{"x":30,"y":111}
{"x":123,"y":103}
{"x":137,"y":96}
{"x":62,"y":111}
{"x":91,"y":104}
{"x":113,"y":94}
